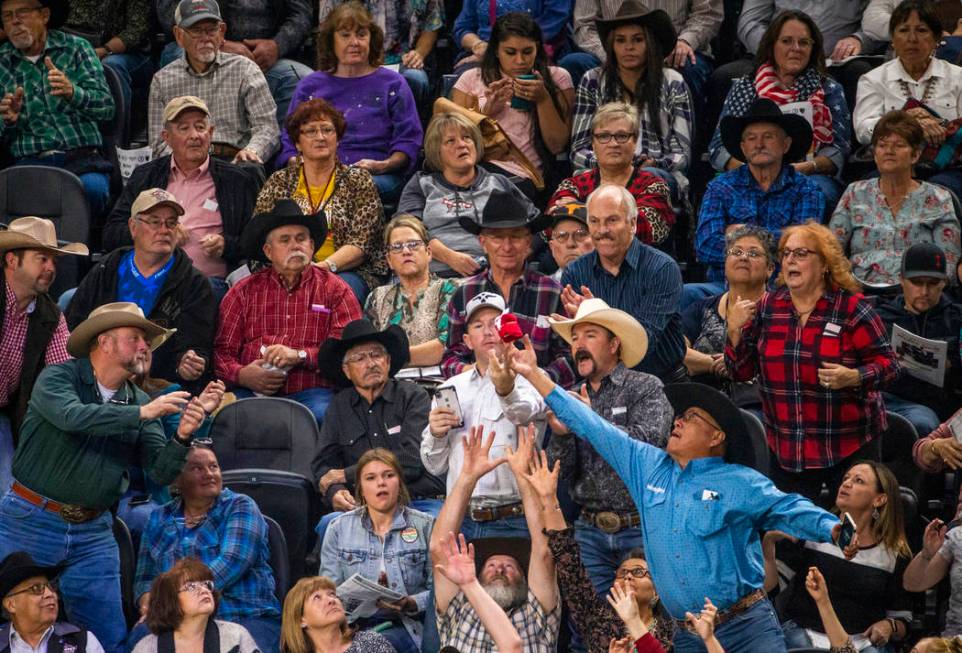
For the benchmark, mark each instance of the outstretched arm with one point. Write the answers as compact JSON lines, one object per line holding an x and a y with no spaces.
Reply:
{"x":815,"y":585}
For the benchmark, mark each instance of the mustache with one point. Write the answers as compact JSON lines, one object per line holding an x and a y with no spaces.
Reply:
{"x":582,"y":355}
{"x":297,"y":255}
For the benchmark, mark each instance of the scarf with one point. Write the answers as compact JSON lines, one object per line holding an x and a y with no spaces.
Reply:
{"x":808,"y":86}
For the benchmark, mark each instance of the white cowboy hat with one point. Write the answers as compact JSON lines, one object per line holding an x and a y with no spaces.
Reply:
{"x":634,"y":338}
{"x":36,"y":233}
{"x":113,"y":316}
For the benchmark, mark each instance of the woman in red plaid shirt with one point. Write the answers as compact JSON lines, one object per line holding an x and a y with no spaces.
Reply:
{"x":822,"y":357}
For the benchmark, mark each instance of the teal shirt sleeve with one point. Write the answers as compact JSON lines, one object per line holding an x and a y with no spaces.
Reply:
{"x":790,"y":513}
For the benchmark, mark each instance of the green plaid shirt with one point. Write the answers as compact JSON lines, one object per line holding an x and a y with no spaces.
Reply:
{"x":49,"y":122}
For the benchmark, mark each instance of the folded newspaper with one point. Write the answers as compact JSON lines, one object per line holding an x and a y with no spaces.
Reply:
{"x":360,"y":596}
{"x":922,"y":358}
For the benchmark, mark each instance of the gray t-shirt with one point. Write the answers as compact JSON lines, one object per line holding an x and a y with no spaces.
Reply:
{"x":952,"y":551}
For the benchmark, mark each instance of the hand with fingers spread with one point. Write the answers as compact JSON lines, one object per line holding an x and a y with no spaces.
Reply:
{"x":165,"y":404}
{"x":212,"y":395}
{"x":499,"y":369}
{"x":476,"y":451}
{"x":59,"y":84}
{"x":622,"y":599}
{"x":571,"y":299}
{"x":524,"y":361}
{"x":543,"y":477}
{"x":704,"y":623}
{"x":458,"y":560}
{"x":519,"y":460}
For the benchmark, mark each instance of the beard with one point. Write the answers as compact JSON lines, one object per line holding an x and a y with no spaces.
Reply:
{"x":507,"y":595}
{"x":21,"y":41}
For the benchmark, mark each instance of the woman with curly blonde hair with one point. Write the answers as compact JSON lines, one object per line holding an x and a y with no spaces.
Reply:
{"x":822,"y":358}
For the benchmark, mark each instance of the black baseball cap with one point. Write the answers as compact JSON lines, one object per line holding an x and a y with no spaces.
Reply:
{"x":924,"y":260}
{"x":577,"y":211}
{"x":191,"y":12}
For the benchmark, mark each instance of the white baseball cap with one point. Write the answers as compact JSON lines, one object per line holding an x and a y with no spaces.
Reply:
{"x":484,"y":300}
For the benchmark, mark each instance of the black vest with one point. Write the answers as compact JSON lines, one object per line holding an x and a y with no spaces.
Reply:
{"x":66,"y":638}
{"x":41,"y":324}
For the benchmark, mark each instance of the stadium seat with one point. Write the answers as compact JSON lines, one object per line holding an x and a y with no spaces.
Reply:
{"x":128,"y":569}
{"x":116,"y":131}
{"x":280,"y":563}
{"x":757,"y":433}
{"x":897,"y":442}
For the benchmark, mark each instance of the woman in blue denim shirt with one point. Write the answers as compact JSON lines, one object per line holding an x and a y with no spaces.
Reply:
{"x":387,"y":542}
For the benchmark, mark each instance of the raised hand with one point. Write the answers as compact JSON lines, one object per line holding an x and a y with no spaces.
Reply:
{"x":212,"y":395}
{"x":476,"y":450}
{"x":165,"y":404}
{"x":542,"y":477}
{"x":622,"y":599}
{"x":524,"y":361}
{"x":59,"y":84}
{"x":519,"y":460}
{"x":934,"y":537}
{"x":741,"y":313}
{"x":704,"y":622}
{"x":458,"y":566}
{"x":499,"y":369}
{"x":191,"y":419}
{"x":572,"y":299}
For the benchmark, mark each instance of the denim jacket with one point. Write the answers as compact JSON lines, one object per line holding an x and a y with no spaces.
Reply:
{"x":351,"y":547}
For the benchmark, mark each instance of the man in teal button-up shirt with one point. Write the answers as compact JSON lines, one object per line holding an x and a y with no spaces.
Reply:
{"x":701,"y":512}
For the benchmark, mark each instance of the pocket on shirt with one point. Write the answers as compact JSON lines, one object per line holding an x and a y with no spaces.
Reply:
{"x":352,"y":558}
{"x":706,"y":518}
{"x":318,"y":322}
{"x":411,"y":563}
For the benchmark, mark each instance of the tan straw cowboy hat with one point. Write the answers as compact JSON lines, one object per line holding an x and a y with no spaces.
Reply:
{"x":634,"y":338}
{"x":113,"y":316}
{"x":36,"y":233}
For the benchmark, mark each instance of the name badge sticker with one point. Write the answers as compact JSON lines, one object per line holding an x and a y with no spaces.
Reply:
{"x":619,"y":410}
{"x":394,"y":430}
{"x":832,"y":329}
{"x":709,"y":495}
{"x":210,"y":205}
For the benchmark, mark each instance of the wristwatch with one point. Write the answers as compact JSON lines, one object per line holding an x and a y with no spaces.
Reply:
{"x":302,"y":355}
{"x":331,"y":265}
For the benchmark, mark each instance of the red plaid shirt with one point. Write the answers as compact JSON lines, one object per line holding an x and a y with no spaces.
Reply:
{"x":809,"y":426}
{"x":260,"y":311}
{"x":655,"y":216}
{"x":13,"y":339}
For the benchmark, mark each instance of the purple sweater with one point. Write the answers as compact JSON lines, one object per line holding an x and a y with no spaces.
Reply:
{"x":380,"y":113}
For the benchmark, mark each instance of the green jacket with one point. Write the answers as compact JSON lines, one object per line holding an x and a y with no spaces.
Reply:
{"x":75,"y":449}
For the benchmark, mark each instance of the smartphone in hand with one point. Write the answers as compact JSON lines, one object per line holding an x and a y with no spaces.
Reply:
{"x":848,"y":531}
{"x":448,"y":398}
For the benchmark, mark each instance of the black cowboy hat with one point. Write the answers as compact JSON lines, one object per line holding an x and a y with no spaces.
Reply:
{"x":764,"y":110}
{"x":633,"y":12}
{"x":503,"y":210}
{"x":331,"y":355}
{"x":59,"y":10}
{"x":18,"y":567}
{"x":727,"y":415}
{"x":284,"y":212}
{"x":516,"y":547}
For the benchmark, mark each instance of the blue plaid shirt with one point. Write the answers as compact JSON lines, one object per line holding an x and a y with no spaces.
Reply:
{"x":232,"y":541}
{"x":735,"y":197}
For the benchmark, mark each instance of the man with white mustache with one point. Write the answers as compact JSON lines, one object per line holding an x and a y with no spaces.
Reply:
{"x":273,"y":322}
{"x":87,"y":423}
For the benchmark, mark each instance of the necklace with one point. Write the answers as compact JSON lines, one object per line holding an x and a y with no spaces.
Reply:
{"x":926,"y":90}
{"x":310,"y":196}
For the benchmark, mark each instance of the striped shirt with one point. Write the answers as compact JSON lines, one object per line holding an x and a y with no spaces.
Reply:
{"x":236,"y":92}
{"x":648,"y":286}
{"x":50,"y":122}
{"x":669,"y":146}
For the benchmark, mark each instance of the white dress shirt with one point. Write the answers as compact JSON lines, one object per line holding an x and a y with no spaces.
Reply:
{"x":18,"y":645}
{"x":480,"y":404}
{"x":882,"y":90}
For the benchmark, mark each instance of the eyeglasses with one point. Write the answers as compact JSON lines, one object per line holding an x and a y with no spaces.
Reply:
{"x":197,"y":586}
{"x":499,"y":239}
{"x":200,"y":32}
{"x":789,"y":42}
{"x":689,"y":415}
{"x":410,"y":245}
{"x":20,"y":14}
{"x":752,"y":253}
{"x":376,"y":355}
{"x":637,"y":572}
{"x":620,"y":137}
{"x":314,"y":132}
{"x":799,"y":253}
{"x":156,"y":223}
{"x":37,"y":589}
{"x":563,"y":236}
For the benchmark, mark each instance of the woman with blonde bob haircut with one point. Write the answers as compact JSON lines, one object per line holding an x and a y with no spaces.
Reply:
{"x":454,"y":185}
{"x":822,"y":358}
{"x":314,"y":622}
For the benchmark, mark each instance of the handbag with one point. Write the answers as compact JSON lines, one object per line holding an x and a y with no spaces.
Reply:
{"x":497,"y":144}
{"x":936,"y":158}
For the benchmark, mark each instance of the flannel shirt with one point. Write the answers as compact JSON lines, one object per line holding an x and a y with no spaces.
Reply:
{"x":533,"y":298}
{"x":655,"y":215}
{"x":461,"y":627}
{"x":13,"y":339}
{"x":807,"y":425}
{"x":236,"y":92}
{"x":671,"y":151}
{"x":49,"y":122}
{"x":734,"y":197}
{"x":260,"y":311}
{"x":232,"y":541}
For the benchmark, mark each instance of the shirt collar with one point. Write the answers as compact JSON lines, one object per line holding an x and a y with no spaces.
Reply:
{"x":308,"y":271}
{"x":387,"y":394}
{"x":218,"y":61}
{"x":619,"y":375}
{"x":400,"y":519}
{"x":632,"y":256}
{"x":936,"y":69}
{"x":699,"y":465}
{"x":197,"y":172}
{"x":784,"y":178}
{"x":12,"y":308}
{"x":15,"y":636}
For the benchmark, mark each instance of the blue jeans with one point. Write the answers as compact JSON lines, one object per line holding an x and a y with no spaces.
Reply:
{"x":420,"y":85}
{"x":266,"y":631}
{"x":754,"y":631}
{"x":796,"y":637}
{"x":90,"y":581}
{"x":504,"y":527}
{"x":832,"y":191}
{"x":357,"y":284}
{"x":577,"y":64}
{"x":135,"y":70}
{"x":951,"y":179}
{"x":389,"y":187}
{"x":316,"y":399}
{"x":692,"y":292}
{"x":922,"y":417}
{"x":136,"y":515}
{"x":6,"y":453}
{"x":601,"y":553}
{"x":696,"y":78}
{"x":219,"y":287}
{"x":400,"y":639}
{"x":96,"y":184}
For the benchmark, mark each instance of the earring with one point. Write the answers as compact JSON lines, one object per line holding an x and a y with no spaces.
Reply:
{"x":875,"y":514}
{"x":303,"y":625}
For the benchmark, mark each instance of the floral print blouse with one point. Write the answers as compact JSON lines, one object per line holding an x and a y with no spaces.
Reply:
{"x":876,"y":240}
{"x":425,"y":321}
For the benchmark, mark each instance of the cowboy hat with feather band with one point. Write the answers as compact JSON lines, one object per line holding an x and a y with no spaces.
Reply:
{"x":504,"y":210}
{"x":633,"y":337}
{"x":739,"y":449}
{"x":36,"y":233}
{"x":633,"y":12}
{"x":113,"y":316}
{"x":284,"y":212}
{"x":764,"y":110}
{"x":330,"y":358}
{"x":18,"y":567}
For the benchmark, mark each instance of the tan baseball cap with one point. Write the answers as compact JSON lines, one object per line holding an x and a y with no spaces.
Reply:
{"x":180,"y":104}
{"x":153,"y":197}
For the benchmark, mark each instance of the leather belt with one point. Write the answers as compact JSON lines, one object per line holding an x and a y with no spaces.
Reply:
{"x":224,"y":150}
{"x":611,"y":522}
{"x":497,"y":512}
{"x":69,"y":513}
{"x":724,"y":616}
